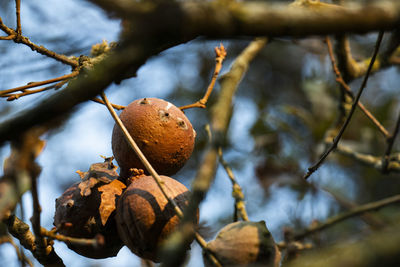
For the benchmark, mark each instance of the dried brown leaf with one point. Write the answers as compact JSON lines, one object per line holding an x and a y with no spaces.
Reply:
{"x":108,"y":197}
{"x":87,"y":185}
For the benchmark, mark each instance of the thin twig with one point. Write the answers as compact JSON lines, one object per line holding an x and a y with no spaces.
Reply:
{"x":390,"y":142}
{"x":312,"y":169}
{"x":21,"y":231}
{"x":21,"y":257}
{"x":13,"y":35}
{"x":348,"y":91}
{"x":237,"y":192}
{"x":11,"y":97}
{"x":40,"y":242}
{"x":220,"y":56}
{"x":352,"y":213}
{"x":149,"y":168}
{"x":36,"y":84}
{"x":117,"y":107}
{"x":369,"y":160}
{"x":10,"y":37}
{"x":18,"y":13}
{"x":95,"y":242}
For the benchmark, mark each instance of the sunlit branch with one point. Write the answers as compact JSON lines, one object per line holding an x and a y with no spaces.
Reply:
{"x":237,"y":192}
{"x":335,"y":142}
{"x":13,"y":35}
{"x":117,"y":107}
{"x":12,"y":97}
{"x":18,"y":13}
{"x":220,"y":56}
{"x":36,"y":84}
{"x":95,"y":242}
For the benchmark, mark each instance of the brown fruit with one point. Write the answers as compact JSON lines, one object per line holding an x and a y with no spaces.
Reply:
{"x":162,"y":132}
{"x":244,"y":244}
{"x":85,"y":210}
{"x":144,"y":216}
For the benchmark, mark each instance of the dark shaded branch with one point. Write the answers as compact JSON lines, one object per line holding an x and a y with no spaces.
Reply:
{"x":18,"y":14}
{"x":313,"y":168}
{"x":352,"y":213}
{"x":378,"y":249}
{"x":390,"y":142}
{"x":346,"y":88}
{"x":223,"y":19}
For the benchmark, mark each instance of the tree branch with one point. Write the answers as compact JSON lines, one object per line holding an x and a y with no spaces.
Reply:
{"x":335,"y":142}
{"x":18,"y":38}
{"x":20,"y":230}
{"x":222,"y":19}
{"x":352,"y":213}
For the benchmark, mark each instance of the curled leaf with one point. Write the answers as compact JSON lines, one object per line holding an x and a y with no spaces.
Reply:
{"x":87,"y":185}
{"x":108,"y":198}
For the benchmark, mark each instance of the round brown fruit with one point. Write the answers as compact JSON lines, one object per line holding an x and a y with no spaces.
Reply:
{"x":78,"y":216}
{"x":244,"y":244}
{"x":144,"y":216}
{"x":160,"y":129}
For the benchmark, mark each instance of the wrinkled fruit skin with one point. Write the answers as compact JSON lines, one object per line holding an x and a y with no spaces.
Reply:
{"x":82,"y":214}
{"x":144,"y":216}
{"x":161,"y":130}
{"x":244,"y":244}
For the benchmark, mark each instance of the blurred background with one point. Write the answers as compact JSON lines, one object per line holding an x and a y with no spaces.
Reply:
{"x":282,"y":110}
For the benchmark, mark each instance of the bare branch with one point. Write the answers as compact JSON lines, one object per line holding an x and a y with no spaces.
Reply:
{"x":214,"y":19}
{"x":36,"y":84}
{"x":17,"y":38}
{"x":348,"y":91}
{"x":351,"y":213}
{"x":220,"y":56}
{"x":313,"y":168}
{"x":237,"y":192}
{"x":117,"y":107}
{"x":12,"y":97}
{"x":390,"y":142}
{"x":379,"y":249}
{"x":96,"y":242}
{"x":20,"y":230}
{"x":18,"y":13}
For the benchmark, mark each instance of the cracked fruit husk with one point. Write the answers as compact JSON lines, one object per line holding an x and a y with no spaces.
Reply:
{"x":86,"y":210}
{"x":244,"y":244}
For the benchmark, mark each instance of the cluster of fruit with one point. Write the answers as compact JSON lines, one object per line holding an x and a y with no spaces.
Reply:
{"x":129,"y":208}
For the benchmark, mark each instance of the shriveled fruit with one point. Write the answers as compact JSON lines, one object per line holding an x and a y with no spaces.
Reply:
{"x":244,"y":244}
{"x":144,"y":216}
{"x":161,"y":130}
{"x":86,"y":210}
